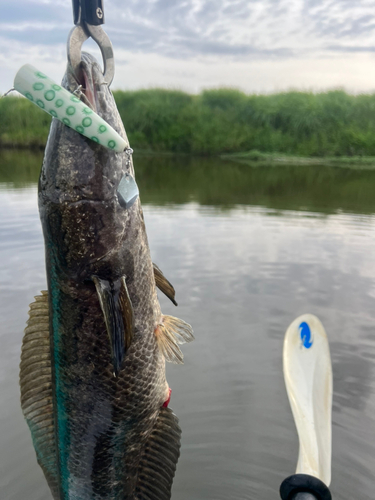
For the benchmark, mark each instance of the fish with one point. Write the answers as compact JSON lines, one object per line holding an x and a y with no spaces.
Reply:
{"x":92,"y":375}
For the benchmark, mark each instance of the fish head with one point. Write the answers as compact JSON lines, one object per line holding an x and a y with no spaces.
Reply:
{"x":84,"y":222}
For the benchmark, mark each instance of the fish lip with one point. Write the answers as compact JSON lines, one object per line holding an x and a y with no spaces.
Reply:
{"x":89,"y":92}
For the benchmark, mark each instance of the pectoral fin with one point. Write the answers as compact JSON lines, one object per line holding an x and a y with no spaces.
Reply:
{"x":159,"y":460}
{"x":164,"y":285}
{"x":118,"y":316}
{"x":171,"y":332}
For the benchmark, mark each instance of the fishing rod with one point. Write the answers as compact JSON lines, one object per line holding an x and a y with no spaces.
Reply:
{"x":308,"y":380}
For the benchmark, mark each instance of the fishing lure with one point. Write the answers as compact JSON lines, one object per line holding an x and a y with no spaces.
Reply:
{"x":66,"y":107}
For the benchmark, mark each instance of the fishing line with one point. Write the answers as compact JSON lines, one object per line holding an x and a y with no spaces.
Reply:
{"x":6,"y":93}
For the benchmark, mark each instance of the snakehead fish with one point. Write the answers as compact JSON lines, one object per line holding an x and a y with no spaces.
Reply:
{"x":93,"y":386}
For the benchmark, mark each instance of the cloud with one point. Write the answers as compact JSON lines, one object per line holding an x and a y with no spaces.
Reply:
{"x":228,"y":31}
{"x":241,"y":27}
{"x":266,"y":28}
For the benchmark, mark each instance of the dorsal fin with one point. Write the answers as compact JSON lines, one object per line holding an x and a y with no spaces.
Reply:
{"x":164,"y":285}
{"x":159,"y":460}
{"x":36,"y":388}
{"x":171,"y":332}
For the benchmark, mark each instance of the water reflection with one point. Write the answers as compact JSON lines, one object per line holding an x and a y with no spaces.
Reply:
{"x":168,"y":179}
{"x":247,"y":249}
{"x":353,"y":377}
{"x":19,"y":168}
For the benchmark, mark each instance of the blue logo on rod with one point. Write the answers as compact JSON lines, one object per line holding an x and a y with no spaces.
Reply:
{"x":305,"y":333}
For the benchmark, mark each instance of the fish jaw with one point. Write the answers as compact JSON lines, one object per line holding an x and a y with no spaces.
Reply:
{"x":91,"y":82}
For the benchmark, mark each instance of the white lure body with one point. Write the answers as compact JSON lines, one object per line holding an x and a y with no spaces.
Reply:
{"x":66,"y":107}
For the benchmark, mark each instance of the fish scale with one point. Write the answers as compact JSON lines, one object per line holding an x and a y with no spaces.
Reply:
{"x":98,"y":400}
{"x":97,"y":341}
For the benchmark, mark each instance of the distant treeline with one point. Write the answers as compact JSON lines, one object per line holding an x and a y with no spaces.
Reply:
{"x":222,"y":121}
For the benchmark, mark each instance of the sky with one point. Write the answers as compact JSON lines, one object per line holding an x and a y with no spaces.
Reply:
{"x":258,"y":46}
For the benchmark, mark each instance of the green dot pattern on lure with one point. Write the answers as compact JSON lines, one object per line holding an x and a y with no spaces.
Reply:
{"x":86,"y":122}
{"x":38,"y":86}
{"x":49,"y":95}
{"x":66,"y":107}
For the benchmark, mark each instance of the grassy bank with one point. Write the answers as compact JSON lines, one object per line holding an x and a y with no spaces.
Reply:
{"x":332,"y":124}
{"x":255,"y":157}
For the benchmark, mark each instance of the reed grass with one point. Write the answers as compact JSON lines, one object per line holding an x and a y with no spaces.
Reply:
{"x":222,"y":121}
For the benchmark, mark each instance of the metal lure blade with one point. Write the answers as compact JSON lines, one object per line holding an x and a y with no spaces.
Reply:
{"x":127,"y":191}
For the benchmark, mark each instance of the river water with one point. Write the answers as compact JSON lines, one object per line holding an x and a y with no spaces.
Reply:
{"x":248,"y":248}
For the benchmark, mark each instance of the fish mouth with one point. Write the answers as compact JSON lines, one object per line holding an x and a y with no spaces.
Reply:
{"x":89,"y":81}
{"x":89,"y":93}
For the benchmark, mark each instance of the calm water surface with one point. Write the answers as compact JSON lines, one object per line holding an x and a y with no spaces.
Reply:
{"x":248,"y":249}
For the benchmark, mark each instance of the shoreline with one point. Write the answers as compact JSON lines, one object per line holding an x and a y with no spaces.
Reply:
{"x":251,"y":158}
{"x":256,"y":157}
